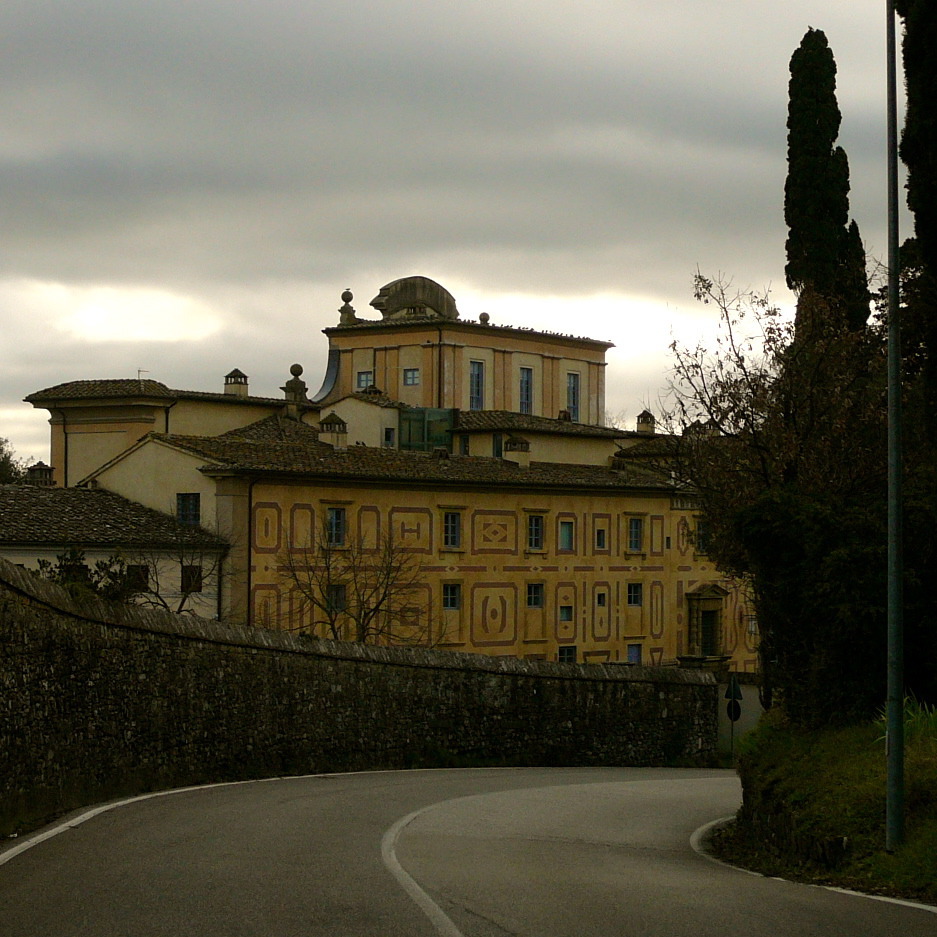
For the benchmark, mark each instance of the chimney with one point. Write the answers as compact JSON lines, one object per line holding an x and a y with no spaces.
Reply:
{"x":40,"y":475}
{"x":235,"y":383}
{"x":646,"y":423}
{"x":520,"y":451}
{"x":565,"y":416}
{"x":334,"y":430}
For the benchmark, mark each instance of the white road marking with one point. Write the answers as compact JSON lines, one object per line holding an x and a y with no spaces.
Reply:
{"x":437,"y":916}
{"x":696,"y":841}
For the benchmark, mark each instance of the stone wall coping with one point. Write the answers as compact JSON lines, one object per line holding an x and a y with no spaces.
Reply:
{"x":190,"y":627}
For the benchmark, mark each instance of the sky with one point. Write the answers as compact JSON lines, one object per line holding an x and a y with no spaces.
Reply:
{"x":187,"y":187}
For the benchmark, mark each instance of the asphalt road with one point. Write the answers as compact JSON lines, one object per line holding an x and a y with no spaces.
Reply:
{"x":475,"y":853}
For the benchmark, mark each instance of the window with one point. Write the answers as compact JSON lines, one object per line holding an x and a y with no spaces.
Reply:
{"x":572,"y":395}
{"x":601,"y":598}
{"x":464,"y":444}
{"x":566,"y":613}
{"x":138,"y":578}
{"x":566,"y":654}
{"x":634,"y":653}
{"x":364,"y":379}
{"x":497,"y":445}
{"x":188,"y":508}
{"x":335,"y":527}
{"x":635,"y":534}
{"x":451,"y":595}
{"x":526,"y":396}
{"x":535,"y":595}
{"x":390,"y":437}
{"x":476,"y":385}
{"x":635,"y":594}
{"x":336,"y":598}
{"x":452,"y":530}
{"x":411,"y":377}
{"x":702,"y":536}
{"x":566,"y":539}
{"x":535,"y":532}
{"x":601,"y":538}
{"x":191,"y":579}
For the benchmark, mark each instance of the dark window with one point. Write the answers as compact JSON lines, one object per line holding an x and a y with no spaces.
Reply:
{"x":634,"y":653}
{"x":497,"y":445}
{"x":535,"y":595}
{"x":600,"y":599}
{"x":463,"y":444}
{"x":635,"y":534}
{"x":411,"y":376}
{"x":566,"y":654}
{"x":572,"y":395}
{"x":535,"y":532}
{"x":702,"y":536}
{"x":601,"y":538}
{"x":566,"y":536}
{"x":526,"y":399}
{"x":336,"y":527}
{"x":476,"y":385}
{"x":188,"y":508}
{"x":191,"y":579}
{"x":452,"y":529}
{"x":138,"y":578}
{"x":635,"y":593}
{"x":709,"y":632}
{"x":336,"y":598}
{"x":390,"y":436}
{"x":451,"y":595}
{"x":566,"y":613}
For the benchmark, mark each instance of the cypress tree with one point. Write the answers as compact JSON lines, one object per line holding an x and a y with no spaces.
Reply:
{"x":825,"y":256}
{"x":919,"y":138}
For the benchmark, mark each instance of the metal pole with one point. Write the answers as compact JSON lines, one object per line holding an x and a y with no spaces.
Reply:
{"x":894,"y":800}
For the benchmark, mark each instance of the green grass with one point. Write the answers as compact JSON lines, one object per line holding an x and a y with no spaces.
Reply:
{"x":815,"y":806}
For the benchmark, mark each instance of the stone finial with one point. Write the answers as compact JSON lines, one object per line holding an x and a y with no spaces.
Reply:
{"x":346,"y":314}
{"x":295,"y":391}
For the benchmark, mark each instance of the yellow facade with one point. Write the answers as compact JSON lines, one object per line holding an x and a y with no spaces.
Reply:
{"x":600,"y":596}
{"x":440,"y":356}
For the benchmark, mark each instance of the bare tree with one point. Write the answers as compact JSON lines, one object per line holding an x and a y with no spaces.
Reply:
{"x":173,"y":575}
{"x":361,"y":588}
{"x":783,"y":443}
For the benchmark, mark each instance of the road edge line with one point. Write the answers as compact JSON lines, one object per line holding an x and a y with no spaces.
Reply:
{"x":699,"y":835}
{"x":437,"y":916}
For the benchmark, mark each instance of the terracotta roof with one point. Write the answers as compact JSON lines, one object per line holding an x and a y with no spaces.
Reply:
{"x":378,"y":399}
{"x":506,"y":420}
{"x":296,"y":456}
{"x":130,"y":387}
{"x":274,"y":428}
{"x":90,"y":517}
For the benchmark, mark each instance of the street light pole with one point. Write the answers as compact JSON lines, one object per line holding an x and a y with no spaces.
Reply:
{"x":894,"y":800}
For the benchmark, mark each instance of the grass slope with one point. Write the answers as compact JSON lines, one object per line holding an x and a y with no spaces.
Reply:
{"x":814,"y":807}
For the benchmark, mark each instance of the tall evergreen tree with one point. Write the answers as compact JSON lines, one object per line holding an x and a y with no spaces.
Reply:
{"x":825,"y":257}
{"x":919,"y":153}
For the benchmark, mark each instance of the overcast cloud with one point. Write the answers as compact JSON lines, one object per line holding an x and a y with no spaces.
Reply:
{"x":189,"y":186}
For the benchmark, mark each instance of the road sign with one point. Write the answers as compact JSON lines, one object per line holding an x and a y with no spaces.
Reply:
{"x":733,"y":710}
{"x":733,"y":690}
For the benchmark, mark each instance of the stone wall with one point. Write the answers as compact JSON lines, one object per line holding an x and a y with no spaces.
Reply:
{"x":101,"y":701}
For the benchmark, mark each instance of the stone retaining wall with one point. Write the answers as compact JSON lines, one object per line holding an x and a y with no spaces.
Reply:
{"x":100,"y":701}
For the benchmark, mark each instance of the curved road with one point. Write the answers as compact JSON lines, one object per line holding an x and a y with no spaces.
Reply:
{"x":540,"y":852}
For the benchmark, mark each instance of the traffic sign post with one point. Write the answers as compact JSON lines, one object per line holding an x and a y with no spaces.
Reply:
{"x":733,"y":709}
